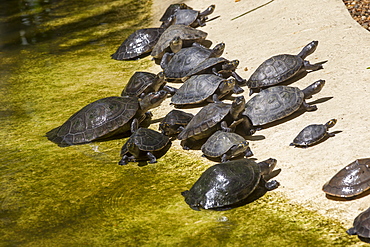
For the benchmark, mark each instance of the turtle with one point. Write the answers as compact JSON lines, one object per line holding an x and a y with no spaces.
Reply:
{"x":141,"y":83}
{"x":105,"y":118}
{"x":187,"y":35}
{"x":203,"y":88}
{"x":211,"y":118}
{"x":174,"y":122}
{"x":172,"y":9}
{"x":313,"y":134}
{"x":282,"y":67}
{"x":352,"y":180}
{"x":178,"y":65}
{"x":193,"y":18}
{"x":219,"y":66}
{"x":361,"y":226}
{"x":226,"y":184}
{"x":277,"y":102}
{"x":138,"y":44}
{"x":144,"y":144}
{"x":226,"y":145}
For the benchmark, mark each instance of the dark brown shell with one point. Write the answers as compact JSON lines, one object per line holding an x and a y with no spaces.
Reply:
{"x":352,"y":180}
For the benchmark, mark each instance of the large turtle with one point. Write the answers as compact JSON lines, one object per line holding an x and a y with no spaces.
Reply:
{"x":141,"y":83}
{"x":105,"y":118}
{"x":144,"y":144}
{"x":361,"y":226}
{"x":174,"y":122}
{"x":226,"y":145}
{"x":282,"y":67}
{"x":352,"y":180}
{"x":203,"y":88}
{"x":211,"y":118}
{"x":193,"y":18}
{"x":178,"y":65}
{"x":313,"y":134}
{"x":187,"y":35}
{"x":277,"y":102}
{"x":224,"y":185}
{"x":138,"y":44}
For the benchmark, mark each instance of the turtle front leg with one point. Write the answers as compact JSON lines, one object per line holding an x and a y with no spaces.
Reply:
{"x":224,"y":127}
{"x":124,"y":160}
{"x":271,"y":185}
{"x":309,"y":107}
{"x":170,"y":90}
{"x":224,"y":158}
{"x":239,"y":80}
{"x":152,"y":158}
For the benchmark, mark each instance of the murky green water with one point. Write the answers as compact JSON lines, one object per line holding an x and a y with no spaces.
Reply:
{"x":55,"y":58}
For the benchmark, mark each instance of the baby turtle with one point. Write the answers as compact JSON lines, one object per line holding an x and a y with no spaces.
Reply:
{"x":352,"y":180}
{"x":172,"y":9}
{"x":226,"y":145}
{"x":105,"y":118}
{"x":361,"y":226}
{"x":138,"y":44}
{"x":143,"y":144}
{"x":226,"y":184}
{"x":141,"y":83}
{"x":193,"y":18}
{"x":277,"y":102}
{"x":281,"y":68}
{"x":313,"y":134}
{"x":174,"y":122}
{"x":202,"y":88}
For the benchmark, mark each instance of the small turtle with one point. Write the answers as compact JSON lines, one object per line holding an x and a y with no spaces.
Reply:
{"x":141,"y":83}
{"x":361,"y":226}
{"x":226,"y":145}
{"x":178,"y":65}
{"x":143,"y":144}
{"x":313,"y":133}
{"x":105,"y":118}
{"x":138,"y":44}
{"x":187,"y":36}
{"x":280,"y":68}
{"x":172,"y":9}
{"x":203,"y":88}
{"x":213,"y":117}
{"x":193,"y":18}
{"x":174,"y":122}
{"x":277,"y":102}
{"x":219,"y":66}
{"x":224,"y":185}
{"x":352,"y":180}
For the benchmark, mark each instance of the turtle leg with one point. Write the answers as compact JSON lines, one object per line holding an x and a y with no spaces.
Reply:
{"x":313,"y":67}
{"x":224,"y":127}
{"x":248,"y":152}
{"x":165,"y":59}
{"x":224,"y":158}
{"x":124,"y":160}
{"x":152,"y":158}
{"x":351,"y":231}
{"x":170,"y":90}
{"x":215,"y":98}
{"x":271,"y":185}
{"x":239,"y":80}
{"x":309,"y":107}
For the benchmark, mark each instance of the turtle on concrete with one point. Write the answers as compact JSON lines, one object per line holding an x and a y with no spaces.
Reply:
{"x":174,"y":122}
{"x":193,"y":18}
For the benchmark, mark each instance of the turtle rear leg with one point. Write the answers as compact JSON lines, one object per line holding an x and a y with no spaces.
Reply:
{"x":313,"y":67}
{"x":152,"y":158}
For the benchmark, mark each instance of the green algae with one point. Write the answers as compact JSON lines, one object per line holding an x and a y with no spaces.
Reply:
{"x":52,"y":196}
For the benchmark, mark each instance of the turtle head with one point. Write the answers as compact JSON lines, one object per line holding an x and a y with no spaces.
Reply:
{"x":237,"y":107}
{"x":218,"y":49}
{"x":314,"y":88}
{"x":331,"y":123}
{"x":240,"y":148}
{"x":231,"y":65}
{"x":308,"y":49}
{"x":267,"y":166}
{"x":152,"y":100}
{"x":176,"y":44}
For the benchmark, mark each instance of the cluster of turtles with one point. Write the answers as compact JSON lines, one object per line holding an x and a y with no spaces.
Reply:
{"x":219,"y":129}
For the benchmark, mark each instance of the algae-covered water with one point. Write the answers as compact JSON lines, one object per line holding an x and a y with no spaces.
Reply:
{"x":55,"y":59}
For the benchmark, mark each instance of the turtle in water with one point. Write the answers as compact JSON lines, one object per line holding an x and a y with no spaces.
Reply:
{"x":141,"y":83}
{"x":361,"y":226}
{"x":174,"y":38}
{"x":277,"y":102}
{"x":213,"y":117}
{"x":203,"y":88}
{"x":105,"y":118}
{"x":174,"y":122}
{"x":282,"y":67}
{"x":313,"y":134}
{"x":138,"y":44}
{"x":193,"y":18}
{"x":144,"y":144}
{"x":177,"y":66}
{"x":224,"y":185}
{"x":226,"y":145}
{"x":352,"y":180}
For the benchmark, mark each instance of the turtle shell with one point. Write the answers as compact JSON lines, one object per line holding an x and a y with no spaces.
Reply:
{"x":351,"y":181}
{"x":275,"y":70}
{"x":204,"y":123}
{"x":185,"y":33}
{"x":174,"y":122}
{"x":205,"y":65}
{"x":143,"y":82}
{"x":197,"y":89}
{"x":138,"y":44}
{"x":224,"y":184}
{"x":221,"y":142}
{"x":310,"y":135}
{"x":186,"y":16}
{"x":273,"y":103}
{"x":98,"y":120}
{"x":172,"y":9}
{"x":361,"y":225}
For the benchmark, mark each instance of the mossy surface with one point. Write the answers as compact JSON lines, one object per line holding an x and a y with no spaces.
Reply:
{"x":74,"y":196}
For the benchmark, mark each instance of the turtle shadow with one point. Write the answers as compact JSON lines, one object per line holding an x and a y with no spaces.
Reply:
{"x":321,"y":141}
{"x":337,"y":198}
